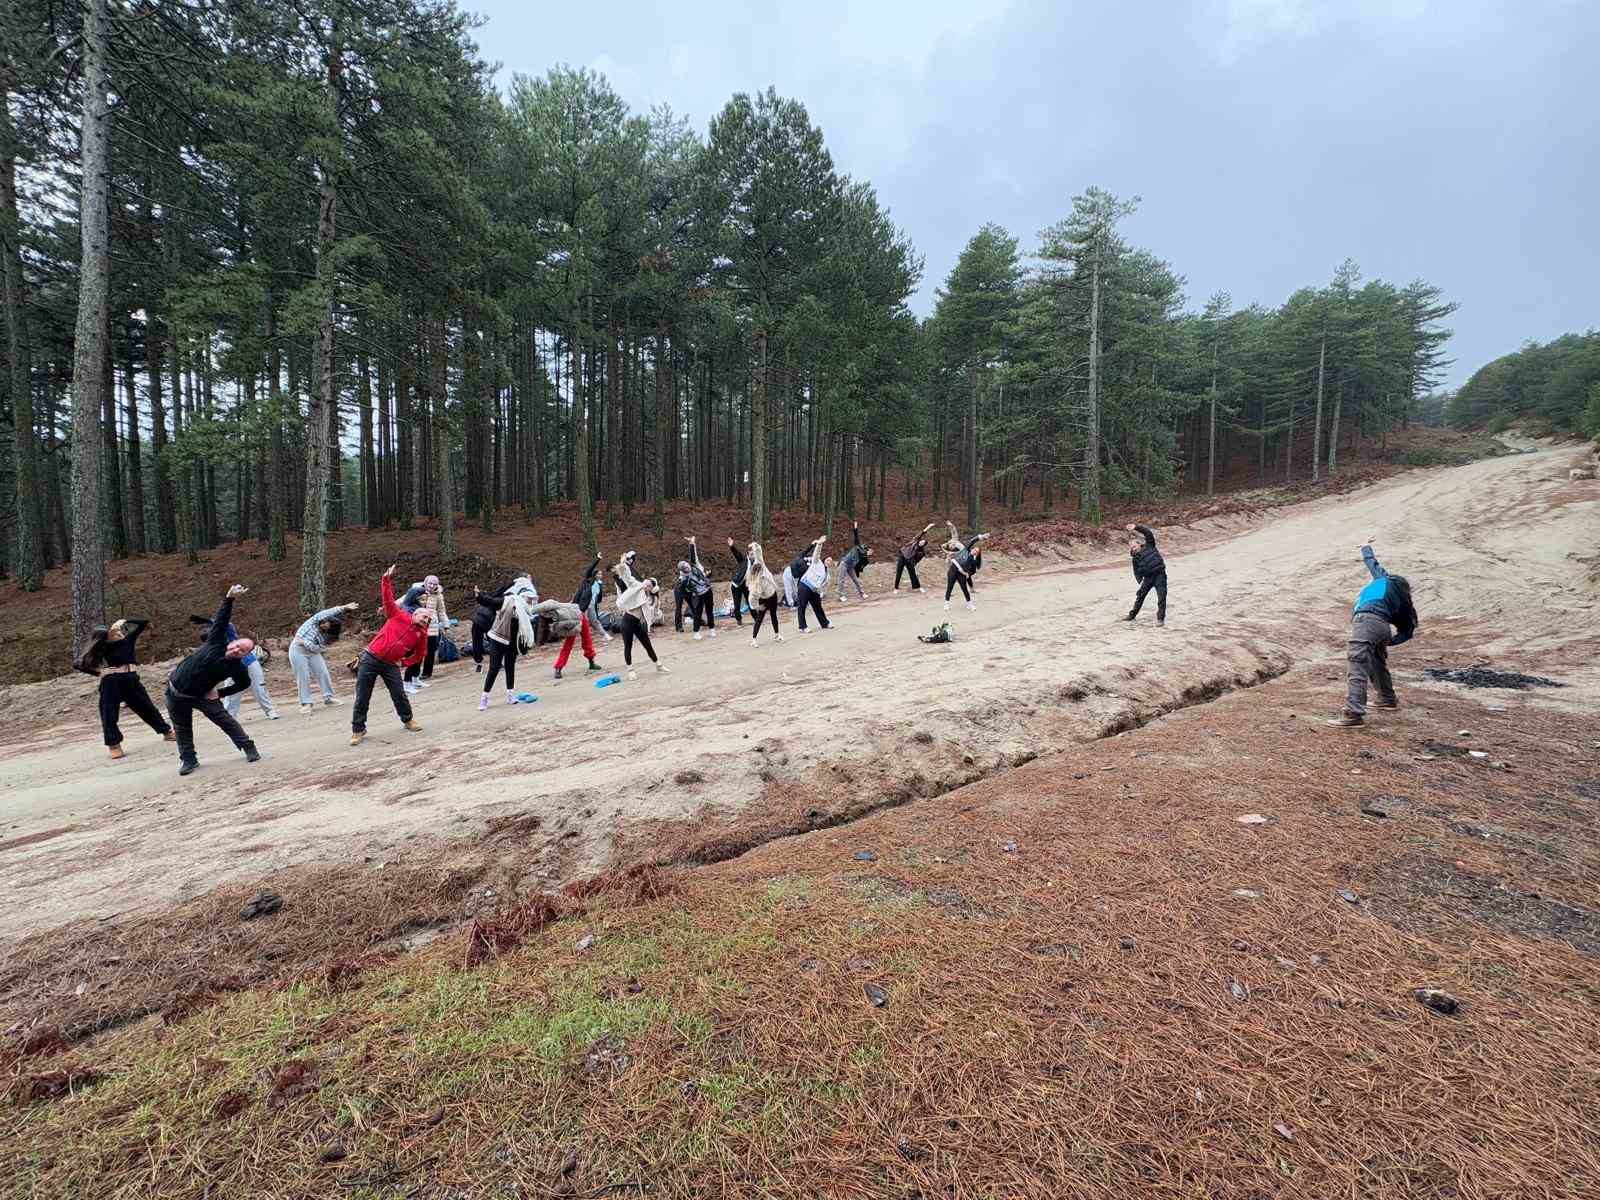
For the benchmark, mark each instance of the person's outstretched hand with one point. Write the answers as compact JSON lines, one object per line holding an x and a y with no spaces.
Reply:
{"x":237,"y":589}
{"x":351,"y":607}
{"x":390,"y":571}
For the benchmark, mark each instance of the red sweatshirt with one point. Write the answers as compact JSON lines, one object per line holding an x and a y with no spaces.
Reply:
{"x":401,"y":640}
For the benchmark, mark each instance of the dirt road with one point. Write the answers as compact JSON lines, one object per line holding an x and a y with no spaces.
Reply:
{"x":859,"y":713}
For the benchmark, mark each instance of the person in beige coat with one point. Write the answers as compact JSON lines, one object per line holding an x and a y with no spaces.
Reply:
{"x":431,"y":599}
{"x":638,"y":600}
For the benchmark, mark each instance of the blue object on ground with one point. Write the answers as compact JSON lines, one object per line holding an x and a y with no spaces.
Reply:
{"x":607,"y":680}
{"x":526,"y":697}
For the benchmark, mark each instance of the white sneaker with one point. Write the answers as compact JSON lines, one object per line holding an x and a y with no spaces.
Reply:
{"x":511,"y":697}
{"x":755,"y":644}
{"x":330,"y":701}
{"x":778,"y":637}
{"x":272,"y":714}
{"x":305,"y":708}
{"x":971,"y":605}
{"x":947,"y":606}
{"x":632,"y":674}
{"x":661,"y":669}
{"x":422,"y":683}
{"x":713,"y":633}
{"x":698,"y":636}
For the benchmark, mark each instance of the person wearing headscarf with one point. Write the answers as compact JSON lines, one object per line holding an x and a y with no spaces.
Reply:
{"x":638,"y":602}
{"x":763,"y":591}
{"x":402,"y":641}
{"x":113,"y":650}
{"x":196,"y":685}
{"x":514,"y":632}
{"x":308,"y":652}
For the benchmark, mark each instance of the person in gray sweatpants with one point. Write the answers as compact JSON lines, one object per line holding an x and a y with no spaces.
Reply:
{"x":1384,"y":616}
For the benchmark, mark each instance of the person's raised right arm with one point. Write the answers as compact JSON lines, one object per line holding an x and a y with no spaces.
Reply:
{"x":218,"y":634}
{"x":386,"y":590}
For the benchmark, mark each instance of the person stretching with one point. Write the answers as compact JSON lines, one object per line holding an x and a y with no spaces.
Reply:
{"x":763,"y":591}
{"x":587,"y":597}
{"x":308,"y":652}
{"x":514,"y":632}
{"x":429,"y":594}
{"x":813,"y":580}
{"x":194,"y":682}
{"x":910,"y":555}
{"x":1385,"y":601}
{"x":114,"y":650}
{"x":570,"y":622}
{"x":698,"y":590}
{"x":401,"y":642}
{"x":1150,"y":569}
{"x":855,"y":560}
{"x":485,"y":607}
{"x":637,"y":602}
{"x":252,"y":666}
{"x":966,"y":560}
{"x":741,"y":593}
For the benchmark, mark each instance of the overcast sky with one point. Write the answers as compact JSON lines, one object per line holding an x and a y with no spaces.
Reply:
{"x":1457,"y":141}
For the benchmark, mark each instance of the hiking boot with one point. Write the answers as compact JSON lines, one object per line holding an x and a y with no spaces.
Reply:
{"x":187,"y":766}
{"x":117,"y":752}
{"x":251,"y":754}
{"x":1347,"y":720}
{"x":355,"y":738}
{"x":169,"y":736}
{"x":558,"y":673}
{"x":593,"y":666}
{"x":412,"y":726}
{"x":1390,"y":702}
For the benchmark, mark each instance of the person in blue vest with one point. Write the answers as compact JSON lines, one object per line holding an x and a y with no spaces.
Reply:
{"x":1384,"y":616}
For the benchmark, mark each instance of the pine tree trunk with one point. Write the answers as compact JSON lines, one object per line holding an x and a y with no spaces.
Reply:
{"x":760,"y":511}
{"x":1316,"y":437}
{"x":444,"y":484}
{"x":974,"y":482}
{"x":90,"y":350}
{"x":493,"y":437}
{"x":405,"y":420}
{"x":111,"y":462}
{"x":1333,"y":429}
{"x":1211,"y":454}
{"x":369,"y":463}
{"x":580,"y":443}
{"x":135,"y":473}
{"x":658,"y":472}
{"x":30,"y":512}
{"x":278,"y":464}
{"x":1091,"y":474}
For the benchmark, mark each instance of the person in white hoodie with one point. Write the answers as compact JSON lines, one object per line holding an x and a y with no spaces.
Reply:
{"x":812,"y":582}
{"x":512,"y":633}
{"x":637,"y":601}
{"x":763,"y":592}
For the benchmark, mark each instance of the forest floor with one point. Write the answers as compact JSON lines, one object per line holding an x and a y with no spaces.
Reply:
{"x":979,"y":919}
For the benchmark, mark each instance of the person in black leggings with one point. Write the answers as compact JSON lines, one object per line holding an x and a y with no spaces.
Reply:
{"x":763,"y":590}
{"x":637,"y":601}
{"x":910,"y":555}
{"x":114,"y":649}
{"x":741,"y":592}
{"x":967,"y":559}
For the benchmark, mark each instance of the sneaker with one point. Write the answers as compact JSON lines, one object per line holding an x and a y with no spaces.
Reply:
{"x":305,"y":710}
{"x":947,"y":606}
{"x":777,"y":637}
{"x":117,"y":752}
{"x":483,"y":702}
{"x":1347,"y":721}
{"x":272,"y":714}
{"x":755,"y":643}
{"x":593,"y":666}
{"x":422,"y":683}
{"x":971,"y":607}
{"x":187,"y":766}
{"x":355,"y":738}
{"x":917,"y":590}
{"x":608,"y":637}
{"x":251,"y":754}
{"x":558,"y":674}
{"x":697,"y":637}
{"x":1129,"y":617}
{"x":511,"y":697}
{"x":713,"y":633}
{"x":1161,"y":622}
{"x":661,"y":669}
{"x":632,"y":674}
{"x":1391,"y":702}
{"x":412,"y":726}
{"x":330,"y":701}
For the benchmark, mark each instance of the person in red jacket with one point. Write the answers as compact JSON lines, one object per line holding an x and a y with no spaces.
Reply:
{"x":401,"y":642}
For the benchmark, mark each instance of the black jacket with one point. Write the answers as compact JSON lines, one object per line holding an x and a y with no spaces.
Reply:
{"x":208,"y":666}
{"x":968,"y":562}
{"x":682,"y":596}
{"x":857,"y":558}
{"x":586,"y":588}
{"x":1147,"y":560}
{"x":740,"y":565}
{"x":485,"y":608}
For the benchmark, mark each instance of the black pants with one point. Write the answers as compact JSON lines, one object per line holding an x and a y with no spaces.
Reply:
{"x":122,"y":687}
{"x":479,"y":636}
{"x":1159,"y":582}
{"x":952,"y":577}
{"x":700,"y":610}
{"x":767,"y":608}
{"x":741,"y":597}
{"x":425,"y":667}
{"x":368,"y":672}
{"x":904,"y":565}
{"x":182,"y":709}
{"x":632,"y":628}
{"x":501,"y":656}
{"x":806,"y":595}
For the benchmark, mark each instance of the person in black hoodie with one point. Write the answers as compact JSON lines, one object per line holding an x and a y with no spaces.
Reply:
{"x":1150,"y":569}
{"x":194,"y":685}
{"x":113,"y":650}
{"x":693,"y":589}
{"x":966,"y":561}
{"x":741,"y":593}
{"x":855,"y":560}
{"x":910,"y":555}
{"x":485,"y":608}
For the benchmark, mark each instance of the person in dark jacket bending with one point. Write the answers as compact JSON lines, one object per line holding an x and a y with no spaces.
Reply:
{"x":694,"y":589}
{"x":587,"y":597}
{"x":855,"y":560}
{"x":965,"y":562}
{"x":741,"y":590}
{"x":113,"y":650}
{"x":485,"y":608}
{"x":910,"y":555}
{"x":1150,"y":570}
{"x":1384,"y":602}
{"x":194,"y":684}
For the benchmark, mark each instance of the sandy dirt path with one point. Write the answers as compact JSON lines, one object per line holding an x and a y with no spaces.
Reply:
{"x":1044,"y":661}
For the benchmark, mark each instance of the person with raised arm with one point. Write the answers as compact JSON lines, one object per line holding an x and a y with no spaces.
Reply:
{"x":515,"y":631}
{"x":763,"y":591}
{"x":308,"y":652}
{"x":588,"y":595}
{"x":741,"y":591}
{"x":910,"y":555}
{"x":966,"y":559}
{"x":1384,"y":616}
{"x":855,"y":560}
{"x":400,"y":643}
{"x":113,"y":650}
{"x":197,"y":685}
{"x":697,"y":589}
{"x":811,"y":576}
{"x":637,"y":601}
{"x":1150,"y":570}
